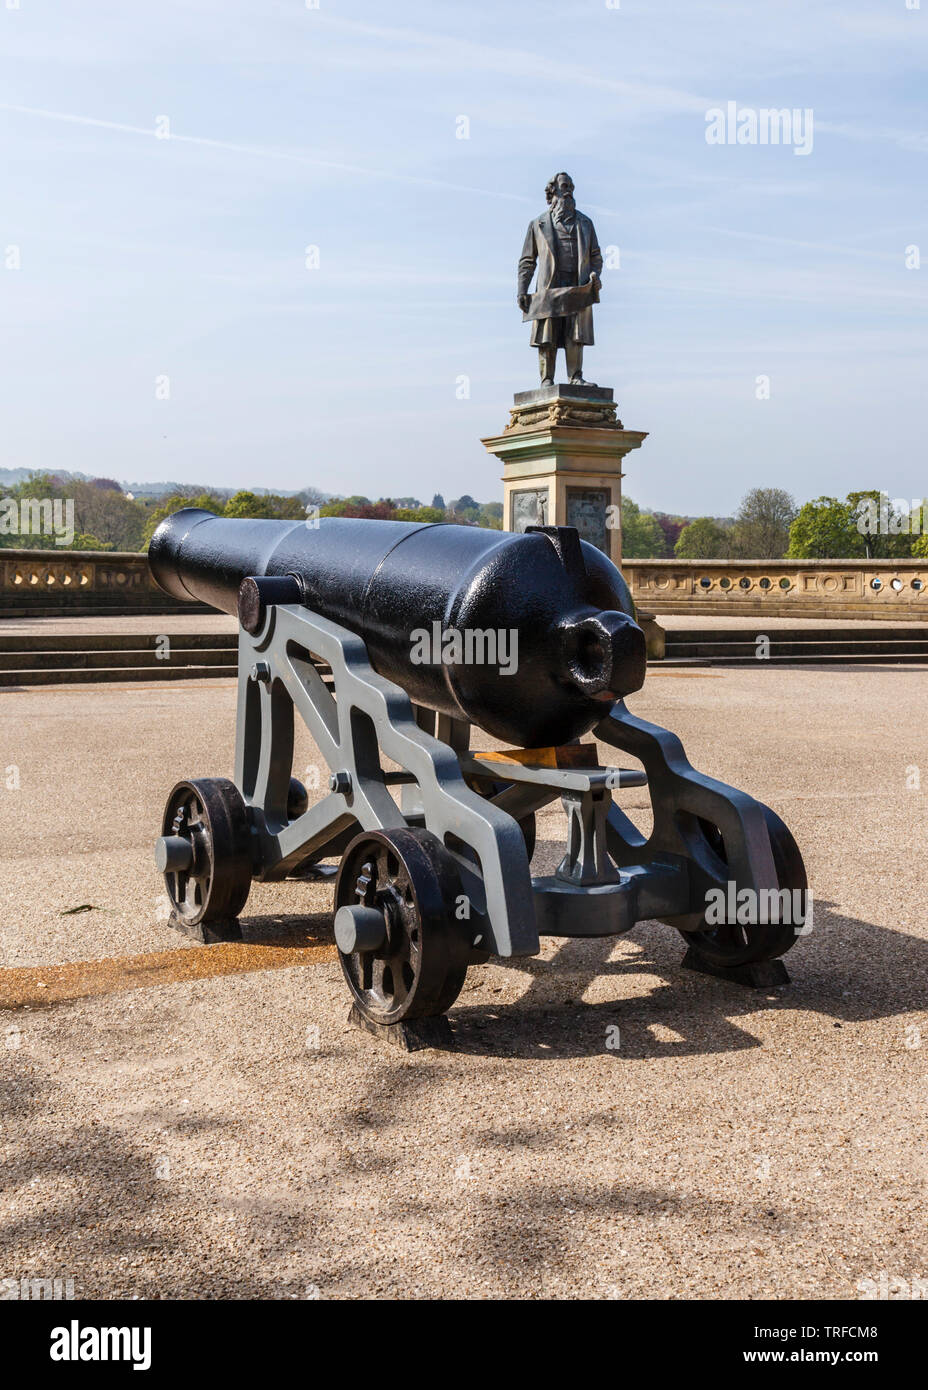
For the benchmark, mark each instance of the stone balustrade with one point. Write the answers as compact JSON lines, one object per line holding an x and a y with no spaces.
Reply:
{"x":878,"y":589}
{"x":59,"y":583}
{"x":54,"y":583}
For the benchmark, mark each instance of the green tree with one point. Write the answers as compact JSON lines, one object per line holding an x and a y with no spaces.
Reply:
{"x":312,"y":497}
{"x":642,"y":535}
{"x":703,"y":539}
{"x":118,"y":520}
{"x":84,"y":542}
{"x":100,"y":511}
{"x":829,"y":529}
{"x":464,"y":510}
{"x":383,"y":510}
{"x":265,"y":505}
{"x":428,"y":514}
{"x":346,"y":506}
{"x":247,"y":504}
{"x":884,"y":528}
{"x":209,"y":501}
{"x":761,"y":528}
{"x":824,"y":530}
{"x":287,"y":508}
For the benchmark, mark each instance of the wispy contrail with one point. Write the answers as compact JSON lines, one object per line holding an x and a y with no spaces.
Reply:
{"x":263,"y":152}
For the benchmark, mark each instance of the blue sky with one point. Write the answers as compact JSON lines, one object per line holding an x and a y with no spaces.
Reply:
{"x":335,"y":127}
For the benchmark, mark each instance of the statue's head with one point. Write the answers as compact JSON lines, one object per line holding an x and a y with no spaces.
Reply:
{"x":559,"y":191}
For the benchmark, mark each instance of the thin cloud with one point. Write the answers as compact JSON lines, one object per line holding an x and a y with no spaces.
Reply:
{"x":263,"y":152}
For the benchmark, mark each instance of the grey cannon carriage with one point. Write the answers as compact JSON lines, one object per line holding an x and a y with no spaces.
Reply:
{"x":390,"y":640}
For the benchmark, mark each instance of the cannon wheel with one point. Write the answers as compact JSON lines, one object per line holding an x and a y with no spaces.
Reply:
{"x":204,"y":852}
{"x":395,"y":901}
{"x":731,"y":944}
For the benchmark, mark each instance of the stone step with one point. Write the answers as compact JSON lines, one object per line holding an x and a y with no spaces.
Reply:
{"x":78,"y":676}
{"x":809,"y":633}
{"x":99,"y":609}
{"x":812,"y":658}
{"x":114,"y":641}
{"x":52,"y":659}
{"x":778,"y":648}
{"x":120,"y":658}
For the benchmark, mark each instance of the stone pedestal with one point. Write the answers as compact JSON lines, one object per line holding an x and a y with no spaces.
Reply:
{"x":562,"y":455}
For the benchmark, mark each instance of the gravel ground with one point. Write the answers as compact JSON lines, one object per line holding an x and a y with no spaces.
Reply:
{"x":203,"y":1123}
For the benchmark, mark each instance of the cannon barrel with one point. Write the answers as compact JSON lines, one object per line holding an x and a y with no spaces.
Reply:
{"x":529,"y":636}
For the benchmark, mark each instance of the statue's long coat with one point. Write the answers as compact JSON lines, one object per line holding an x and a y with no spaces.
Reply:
{"x":539,"y":249}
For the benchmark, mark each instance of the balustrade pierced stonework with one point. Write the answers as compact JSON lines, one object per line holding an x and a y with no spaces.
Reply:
{"x":51,"y":583}
{"x":811,"y":588}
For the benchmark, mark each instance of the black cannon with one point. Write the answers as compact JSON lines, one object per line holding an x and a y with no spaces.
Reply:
{"x":391,"y":639}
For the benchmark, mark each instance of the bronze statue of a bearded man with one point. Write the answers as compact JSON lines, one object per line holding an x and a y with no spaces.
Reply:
{"x":561,"y":244}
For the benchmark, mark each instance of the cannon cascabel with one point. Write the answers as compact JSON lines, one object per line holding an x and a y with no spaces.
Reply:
{"x":551,"y":611}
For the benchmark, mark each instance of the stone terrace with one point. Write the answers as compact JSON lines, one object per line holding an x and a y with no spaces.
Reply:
{"x":201,"y":1122}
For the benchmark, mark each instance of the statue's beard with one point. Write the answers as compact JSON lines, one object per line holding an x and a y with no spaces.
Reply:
{"x":564,"y":207}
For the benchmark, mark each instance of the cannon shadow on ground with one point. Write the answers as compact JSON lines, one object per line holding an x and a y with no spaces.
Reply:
{"x":293,"y":929}
{"x":847,"y":970}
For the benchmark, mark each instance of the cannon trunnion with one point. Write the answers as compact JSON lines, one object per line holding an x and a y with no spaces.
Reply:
{"x":438,"y":877}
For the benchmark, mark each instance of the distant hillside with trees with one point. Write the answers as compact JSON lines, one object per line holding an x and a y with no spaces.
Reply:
{"x":108,"y":516}
{"x":768,"y":525}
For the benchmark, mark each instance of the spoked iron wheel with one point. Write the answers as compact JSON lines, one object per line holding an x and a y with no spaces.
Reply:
{"x":204,"y":853}
{"x":403,"y":952}
{"x":732,"y":943}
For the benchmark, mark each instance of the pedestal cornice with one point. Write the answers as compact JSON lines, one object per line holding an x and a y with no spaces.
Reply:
{"x":564,"y":444}
{"x":562,"y":455}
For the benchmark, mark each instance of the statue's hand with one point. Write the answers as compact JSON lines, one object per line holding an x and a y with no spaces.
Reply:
{"x":523,"y":301}
{"x":594,"y":279}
